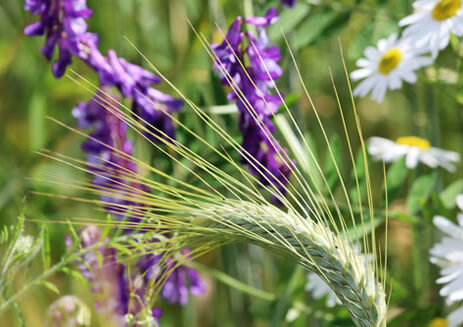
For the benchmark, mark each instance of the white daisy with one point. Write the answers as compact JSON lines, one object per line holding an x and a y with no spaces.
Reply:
{"x":385,"y":67}
{"x":448,"y":254}
{"x":433,"y":22}
{"x":415,"y":149}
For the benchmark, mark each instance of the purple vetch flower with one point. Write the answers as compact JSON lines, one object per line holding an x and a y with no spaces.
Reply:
{"x":63,"y":24}
{"x":135,"y":82}
{"x":108,"y":149}
{"x":289,"y":3}
{"x":271,"y":17}
{"x":253,"y":91}
{"x":180,"y":280}
{"x":109,"y":134}
{"x":104,"y":277}
{"x":118,"y":293}
{"x":102,"y":115}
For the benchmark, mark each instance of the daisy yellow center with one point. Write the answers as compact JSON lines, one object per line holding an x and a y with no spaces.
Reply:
{"x":414,"y":141}
{"x":438,"y":322}
{"x":445,"y":9}
{"x":389,"y":61}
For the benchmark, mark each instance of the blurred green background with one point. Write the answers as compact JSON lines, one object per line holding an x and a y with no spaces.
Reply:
{"x":315,"y":29}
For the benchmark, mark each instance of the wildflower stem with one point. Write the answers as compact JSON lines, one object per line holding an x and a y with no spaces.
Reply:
{"x":64,"y":262}
{"x":232,"y":282}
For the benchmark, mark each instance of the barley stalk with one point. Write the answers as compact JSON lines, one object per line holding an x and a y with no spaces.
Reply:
{"x":312,"y":244}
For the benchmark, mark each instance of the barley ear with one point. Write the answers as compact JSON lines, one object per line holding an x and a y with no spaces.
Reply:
{"x":311,"y":243}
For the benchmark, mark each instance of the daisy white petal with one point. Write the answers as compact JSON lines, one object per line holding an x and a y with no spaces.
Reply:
{"x":433,"y":23}
{"x":318,"y":288}
{"x":385,"y":66}
{"x":459,"y":201}
{"x":415,"y":150}
{"x":448,"y":254}
{"x":455,"y":319}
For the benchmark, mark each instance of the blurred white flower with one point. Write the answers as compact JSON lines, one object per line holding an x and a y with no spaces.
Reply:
{"x":385,"y":67}
{"x":433,"y":22}
{"x":415,"y":149}
{"x":318,"y":288}
{"x":68,"y":311}
{"x":448,"y":255}
{"x":24,"y":245}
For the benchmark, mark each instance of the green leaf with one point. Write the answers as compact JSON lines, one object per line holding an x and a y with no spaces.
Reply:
{"x":46,"y":252}
{"x":19,"y":315}
{"x":37,"y":113}
{"x":312,"y":28}
{"x":449,"y":195}
{"x":403,"y":217}
{"x":395,"y":177}
{"x":359,"y":169}
{"x":420,"y":192}
{"x":74,"y":236}
{"x":362,"y":39}
{"x":76,"y":274}
{"x":335,"y":25}
{"x":356,"y":232}
{"x":232,"y":282}
{"x":52,"y":287}
{"x":311,"y":160}
{"x":288,"y":20}
{"x":331,"y":174}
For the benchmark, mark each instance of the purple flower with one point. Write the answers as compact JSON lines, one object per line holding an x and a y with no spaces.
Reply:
{"x":110,"y":281}
{"x":104,"y":276}
{"x":180,"y":280}
{"x":63,"y":24}
{"x":271,"y":17}
{"x":228,"y":51}
{"x":108,"y":148}
{"x":252,"y":89}
{"x":110,"y":168}
{"x":289,"y":3}
{"x":149,"y":104}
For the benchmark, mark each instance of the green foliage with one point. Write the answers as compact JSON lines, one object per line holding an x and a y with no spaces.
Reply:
{"x":420,"y":191}
{"x":251,"y":287}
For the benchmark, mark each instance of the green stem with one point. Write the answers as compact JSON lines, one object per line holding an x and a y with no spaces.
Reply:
{"x":232,"y":282}
{"x":64,"y":262}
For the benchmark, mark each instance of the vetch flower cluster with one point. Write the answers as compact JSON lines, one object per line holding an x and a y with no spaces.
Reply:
{"x":107,"y":138}
{"x":109,"y":133}
{"x":108,"y":148}
{"x":395,"y":60}
{"x":107,"y":277}
{"x":63,"y":23}
{"x":448,"y":255}
{"x":180,"y":281}
{"x":249,"y":65}
{"x":415,"y":150}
